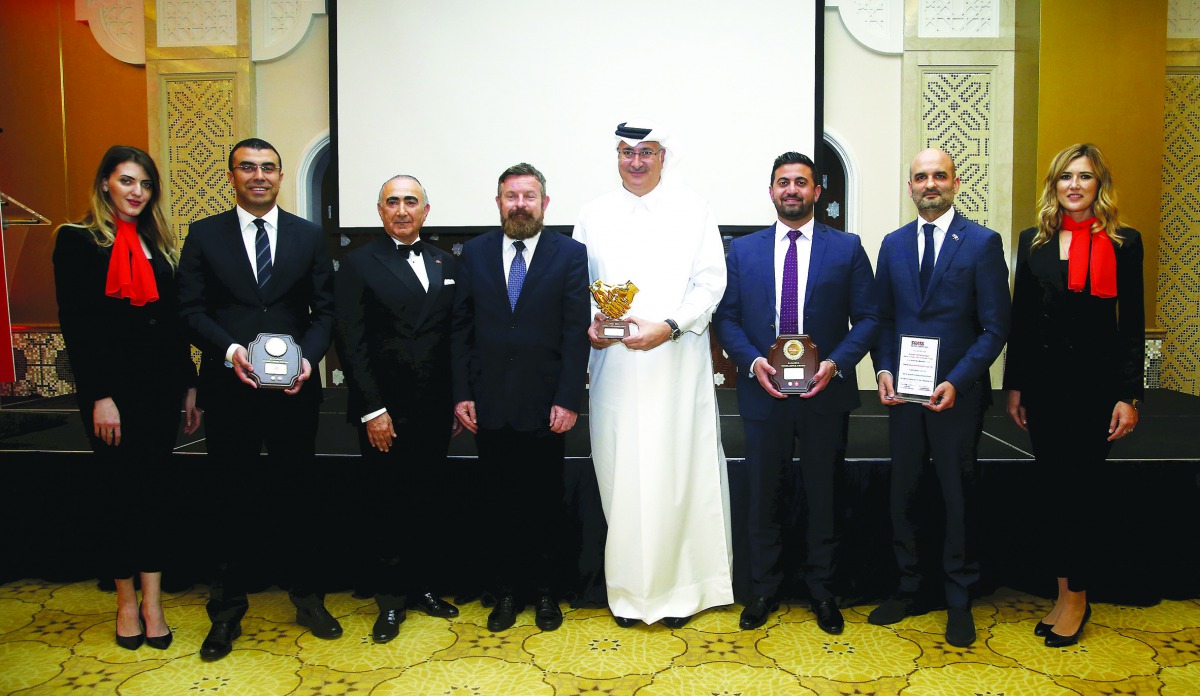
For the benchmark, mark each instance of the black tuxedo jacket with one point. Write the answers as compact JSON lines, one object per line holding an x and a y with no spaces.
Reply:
{"x":393,"y":336}
{"x":220,"y":302}
{"x":516,"y":363}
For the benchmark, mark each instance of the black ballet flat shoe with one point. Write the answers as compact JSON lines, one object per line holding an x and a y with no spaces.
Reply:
{"x":624,"y":622}
{"x":1042,"y":629}
{"x":676,"y":621}
{"x":1057,"y":640}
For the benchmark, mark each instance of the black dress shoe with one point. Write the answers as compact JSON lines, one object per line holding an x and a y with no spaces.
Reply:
{"x":547,"y":615}
{"x":960,"y":627}
{"x":756,"y":612}
{"x":624,"y":622}
{"x":676,"y":621}
{"x":219,"y":641}
{"x":1057,"y":640}
{"x":434,"y":606}
{"x":317,"y":619}
{"x":503,"y":615}
{"x":387,"y":625}
{"x":829,"y":617}
{"x":1042,"y":629}
{"x":894,"y":609}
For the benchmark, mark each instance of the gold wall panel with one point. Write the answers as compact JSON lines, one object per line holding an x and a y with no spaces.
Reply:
{"x":1178,"y":298}
{"x":199,"y":130}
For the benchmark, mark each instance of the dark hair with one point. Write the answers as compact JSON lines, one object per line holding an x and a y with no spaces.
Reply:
{"x":254,"y":144}
{"x":794,"y":158}
{"x":522,"y":169}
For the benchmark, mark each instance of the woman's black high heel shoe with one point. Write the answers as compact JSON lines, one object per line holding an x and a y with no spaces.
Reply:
{"x":133,"y":642}
{"x":1056,"y":640}
{"x":158,"y":642}
{"x":1042,"y":629}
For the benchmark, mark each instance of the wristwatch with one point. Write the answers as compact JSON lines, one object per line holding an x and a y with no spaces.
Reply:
{"x":1135,"y":403}
{"x":675,"y":332}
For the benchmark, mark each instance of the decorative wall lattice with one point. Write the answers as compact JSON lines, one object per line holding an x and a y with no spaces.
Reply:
{"x":199,"y":132}
{"x":956,"y":110}
{"x":1183,"y":19}
{"x":1178,"y":298}
{"x":42,"y":365}
{"x":197,"y":23}
{"x":958,"y":18}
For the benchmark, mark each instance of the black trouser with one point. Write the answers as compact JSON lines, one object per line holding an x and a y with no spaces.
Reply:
{"x":526,"y":552}
{"x":261,"y":514}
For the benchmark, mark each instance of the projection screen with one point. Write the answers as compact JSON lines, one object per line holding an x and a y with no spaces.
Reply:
{"x":455,"y":91}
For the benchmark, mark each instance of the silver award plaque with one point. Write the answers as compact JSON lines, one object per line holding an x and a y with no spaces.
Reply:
{"x":277,"y":361}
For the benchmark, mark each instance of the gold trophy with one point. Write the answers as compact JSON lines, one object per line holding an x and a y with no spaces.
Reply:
{"x":614,"y":302}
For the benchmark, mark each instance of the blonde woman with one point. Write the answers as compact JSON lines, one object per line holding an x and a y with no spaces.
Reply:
{"x":114,"y":277}
{"x":1075,"y":358}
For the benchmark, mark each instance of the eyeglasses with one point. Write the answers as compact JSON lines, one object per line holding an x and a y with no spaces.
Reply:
{"x":247,"y":167}
{"x":646,"y":153}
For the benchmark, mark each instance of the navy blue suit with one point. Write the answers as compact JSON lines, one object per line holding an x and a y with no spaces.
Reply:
{"x":840,"y":316}
{"x":966,"y":307}
{"x":516,"y":363}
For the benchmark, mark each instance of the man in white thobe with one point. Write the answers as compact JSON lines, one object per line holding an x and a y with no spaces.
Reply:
{"x":656,"y":438}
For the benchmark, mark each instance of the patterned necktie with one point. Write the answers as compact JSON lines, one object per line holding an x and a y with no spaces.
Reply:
{"x":927,"y":257}
{"x":262,"y":254}
{"x":788,"y":311}
{"x":516,"y":275}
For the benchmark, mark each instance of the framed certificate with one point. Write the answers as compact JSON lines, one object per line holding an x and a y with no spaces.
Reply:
{"x":916,"y":370}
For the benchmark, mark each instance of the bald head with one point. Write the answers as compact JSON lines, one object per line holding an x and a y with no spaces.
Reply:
{"x":932,"y":183}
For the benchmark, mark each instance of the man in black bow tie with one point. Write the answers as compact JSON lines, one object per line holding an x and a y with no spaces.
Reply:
{"x":394,"y":298}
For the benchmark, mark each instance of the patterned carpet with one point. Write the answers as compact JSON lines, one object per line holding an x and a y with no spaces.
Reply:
{"x":58,"y":639}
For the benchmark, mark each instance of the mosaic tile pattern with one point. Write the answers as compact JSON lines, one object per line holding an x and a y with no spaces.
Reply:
{"x":1178,"y":282}
{"x":59,"y":639}
{"x":957,"y":117}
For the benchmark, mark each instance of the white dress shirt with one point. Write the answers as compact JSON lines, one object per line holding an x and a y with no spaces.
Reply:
{"x":508,"y":252}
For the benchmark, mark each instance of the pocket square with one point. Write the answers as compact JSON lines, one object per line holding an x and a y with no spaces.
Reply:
{"x":448,"y":281}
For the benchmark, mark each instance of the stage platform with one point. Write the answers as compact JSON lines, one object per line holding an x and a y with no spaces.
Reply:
{"x":59,"y":510}
{"x":1169,"y":430}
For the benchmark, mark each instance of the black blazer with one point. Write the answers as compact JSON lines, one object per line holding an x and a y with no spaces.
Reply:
{"x":117,"y":350}
{"x":1059,"y":335}
{"x":393,"y":336}
{"x":516,"y":363}
{"x":221,"y":305}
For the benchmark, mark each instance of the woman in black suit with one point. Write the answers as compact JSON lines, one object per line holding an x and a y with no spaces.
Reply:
{"x":1075,"y":355}
{"x":114,"y":274}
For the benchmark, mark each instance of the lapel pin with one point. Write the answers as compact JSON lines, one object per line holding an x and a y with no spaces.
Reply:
{"x":437,"y":260}
{"x":954,"y":236}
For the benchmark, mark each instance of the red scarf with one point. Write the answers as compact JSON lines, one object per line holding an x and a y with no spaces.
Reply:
{"x":1094,"y":251}
{"x":129,"y":272}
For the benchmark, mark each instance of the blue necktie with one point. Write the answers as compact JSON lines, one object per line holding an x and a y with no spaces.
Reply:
{"x":516,"y":275}
{"x":262,"y":254}
{"x":789,"y":312}
{"x":927,"y":257}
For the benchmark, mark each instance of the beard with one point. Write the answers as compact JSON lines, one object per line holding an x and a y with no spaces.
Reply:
{"x":942,"y":202}
{"x":794,"y":211}
{"x":521,"y":224}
